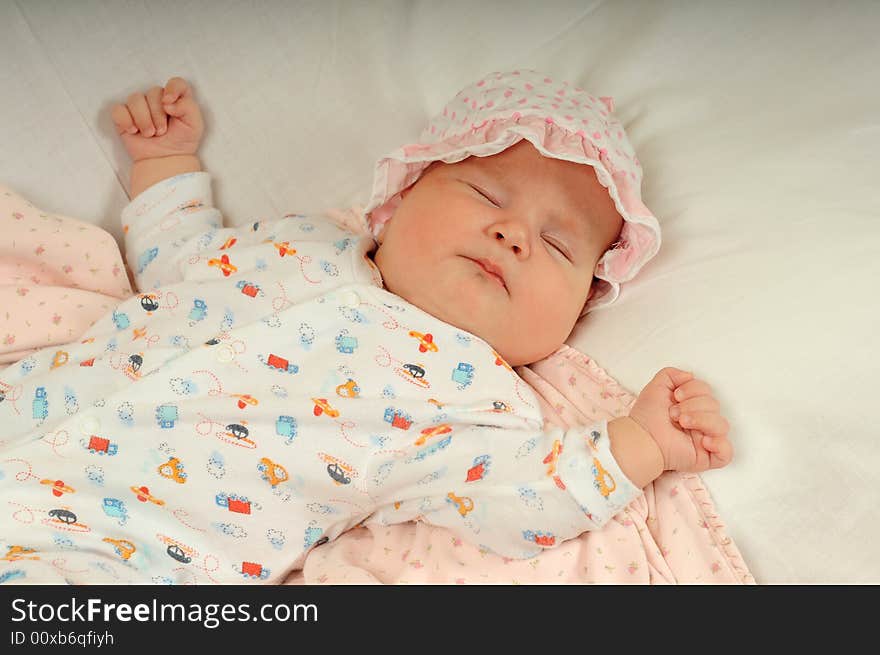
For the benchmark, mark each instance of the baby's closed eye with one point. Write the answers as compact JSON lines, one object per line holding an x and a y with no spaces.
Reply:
{"x":559,"y":246}
{"x":485,"y":194}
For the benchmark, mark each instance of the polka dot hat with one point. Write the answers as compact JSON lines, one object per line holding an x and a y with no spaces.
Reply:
{"x":561,"y":121}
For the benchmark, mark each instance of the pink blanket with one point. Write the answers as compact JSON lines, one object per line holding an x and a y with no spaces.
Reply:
{"x":58,"y":275}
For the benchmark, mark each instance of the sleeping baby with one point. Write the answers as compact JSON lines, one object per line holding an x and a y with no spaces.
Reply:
{"x":276,"y":384}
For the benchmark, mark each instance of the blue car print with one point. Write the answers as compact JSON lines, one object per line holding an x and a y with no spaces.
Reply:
{"x":463,"y":374}
{"x":41,"y":403}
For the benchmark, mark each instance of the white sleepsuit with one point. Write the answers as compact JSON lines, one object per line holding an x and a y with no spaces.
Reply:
{"x":262,"y":394}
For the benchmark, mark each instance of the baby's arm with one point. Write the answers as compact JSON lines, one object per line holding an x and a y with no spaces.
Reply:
{"x":171,"y":206}
{"x":514,"y":491}
{"x":518,"y":493}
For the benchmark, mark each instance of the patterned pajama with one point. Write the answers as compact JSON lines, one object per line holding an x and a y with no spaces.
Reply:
{"x":261,"y":395}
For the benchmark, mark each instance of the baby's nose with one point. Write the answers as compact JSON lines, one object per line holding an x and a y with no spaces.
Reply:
{"x":514,"y":237}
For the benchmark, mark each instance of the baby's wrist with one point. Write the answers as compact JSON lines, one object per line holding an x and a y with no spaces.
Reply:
{"x":147,"y":172}
{"x":637,"y":453}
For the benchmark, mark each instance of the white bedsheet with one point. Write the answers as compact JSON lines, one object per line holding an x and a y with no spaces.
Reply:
{"x":758,"y":126}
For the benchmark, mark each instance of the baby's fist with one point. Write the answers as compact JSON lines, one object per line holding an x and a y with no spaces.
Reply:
{"x":681,"y":414}
{"x":161,"y":122}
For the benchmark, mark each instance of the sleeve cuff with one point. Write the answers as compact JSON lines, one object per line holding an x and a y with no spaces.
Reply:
{"x":592,"y":475}
{"x":184,"y":191}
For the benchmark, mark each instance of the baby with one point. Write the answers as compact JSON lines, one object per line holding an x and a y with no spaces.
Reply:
{"x":276,"y":384}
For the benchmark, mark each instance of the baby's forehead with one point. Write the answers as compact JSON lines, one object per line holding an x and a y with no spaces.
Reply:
{"x":577,"y":182}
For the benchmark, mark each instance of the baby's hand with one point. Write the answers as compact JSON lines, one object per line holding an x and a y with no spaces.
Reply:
{"x":160,"y":122}
{"x":683,"y":417}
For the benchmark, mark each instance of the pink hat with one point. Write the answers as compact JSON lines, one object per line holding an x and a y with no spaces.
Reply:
{"x":562,"y":121}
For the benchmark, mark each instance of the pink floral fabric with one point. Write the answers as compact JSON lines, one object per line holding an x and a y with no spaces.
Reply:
{"x":58,"y":275}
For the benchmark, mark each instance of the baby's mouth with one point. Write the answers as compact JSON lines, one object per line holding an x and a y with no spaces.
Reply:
{"x":487,"y":267}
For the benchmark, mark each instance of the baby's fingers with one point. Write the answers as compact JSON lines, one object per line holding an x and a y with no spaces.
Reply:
{"x":720,"y":451}
{"x":157,"y":113}
{"x":692,"y":389}
{"x":176,"y":87}
{"x":123,"y":120}
{"x":709,"y":423}
{"x":698,"y":404}
{"x":178,"y":101}
{"x":140,"y":114}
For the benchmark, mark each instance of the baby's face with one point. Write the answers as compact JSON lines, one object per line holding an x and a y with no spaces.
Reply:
{"x":541,"y":224}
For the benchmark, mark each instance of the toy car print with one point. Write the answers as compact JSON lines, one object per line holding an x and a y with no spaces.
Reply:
{"x":281,"y":364}
{"x":463,"y":504}
{"x":312,"y":537}
{"x":545,"y":539}
{"x":176,"y":552}
{"x":463,"y":374}
{"x":173,"y":470}
{"x":121,"y":321}
{"x":271,"y":472}
{"x":253,"y":570}
{"x":148,"y":303}
{"x":248,"y":288}
{"x":415,"y":370}
{"x":115,"y":508}
{"x":63,"y":515}
{"x":166,"y":416}
{"x":135,"y":362}
{"x":346,"y":344}
{"x":336,"y":472}
{"x":101,"y":446}
{"x":237,"y":430}
{"x":348,"y":390}
{"x":40,"y":404}
{"x":199,"y":310}
{"x":397,"y":418}
{"x":123,"y":547}
{"x":235,"y":503}
{"x":285,"y":426}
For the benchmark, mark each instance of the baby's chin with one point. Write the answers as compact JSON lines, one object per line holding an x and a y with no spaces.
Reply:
{"x":506,"y":344}
{"x":489,"y":328}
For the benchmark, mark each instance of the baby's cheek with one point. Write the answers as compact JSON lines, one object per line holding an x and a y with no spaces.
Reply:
{"x":550,"y":316}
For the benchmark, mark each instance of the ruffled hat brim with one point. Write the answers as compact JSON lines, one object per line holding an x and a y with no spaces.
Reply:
{"x":498,"y":119}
